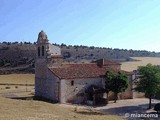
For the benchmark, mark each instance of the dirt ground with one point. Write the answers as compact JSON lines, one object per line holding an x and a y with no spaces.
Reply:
{"x":128,"y":106}
{"x":14,"y":109}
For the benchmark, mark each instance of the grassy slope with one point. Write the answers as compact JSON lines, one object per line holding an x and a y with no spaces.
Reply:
{"x":17,"y":78}
{"x":37,"y":110}
{"x":130,"y":66}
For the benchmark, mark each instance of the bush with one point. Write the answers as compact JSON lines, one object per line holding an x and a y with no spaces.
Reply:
{"x":157,"y":95}
{"x":67,"y":55}
{"x":8,"y":87}
{"x":157,"y":107}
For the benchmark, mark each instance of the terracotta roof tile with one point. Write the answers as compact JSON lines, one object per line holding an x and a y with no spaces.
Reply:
{"x":72,"y":71}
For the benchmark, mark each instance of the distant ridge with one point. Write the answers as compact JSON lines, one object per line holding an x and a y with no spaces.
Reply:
{"x":23,"y":53}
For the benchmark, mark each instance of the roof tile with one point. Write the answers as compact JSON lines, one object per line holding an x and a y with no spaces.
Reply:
{"x":72,"y":71}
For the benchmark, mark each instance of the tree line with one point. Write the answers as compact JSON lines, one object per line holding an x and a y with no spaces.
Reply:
{"x":148,"y":82}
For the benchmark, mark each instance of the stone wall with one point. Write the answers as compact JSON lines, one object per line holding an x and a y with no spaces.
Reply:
{"x":40,"y":77}
{"x":46,"y":83}
{"x":75,"y":93}
{"x":47,"y":87}
{"x":128,"y":94}
{"x":135,"y":93}
{"x":52,"y":86}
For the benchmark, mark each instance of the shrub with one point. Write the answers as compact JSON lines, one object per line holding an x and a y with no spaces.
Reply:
{"x":67,"y":55}
{"x":8,"y":87}
{"x":16,"y":86}
{"x":157,"y":107}
{"x":91,"y":54}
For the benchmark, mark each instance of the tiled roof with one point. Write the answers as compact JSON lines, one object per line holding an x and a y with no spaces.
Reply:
{"x":72,"y":71}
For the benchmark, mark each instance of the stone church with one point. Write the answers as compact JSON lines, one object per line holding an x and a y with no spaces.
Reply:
{"x":71,"y":83}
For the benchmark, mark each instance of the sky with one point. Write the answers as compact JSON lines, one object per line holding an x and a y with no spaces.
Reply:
{"x":123,"y":24}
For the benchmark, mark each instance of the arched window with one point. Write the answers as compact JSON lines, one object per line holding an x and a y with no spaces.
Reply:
{"x":42,"y":50}
{"x":38,"y":51}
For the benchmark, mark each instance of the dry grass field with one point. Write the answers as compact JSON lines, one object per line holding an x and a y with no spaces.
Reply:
{"x":11,"y":109}
{"x":142,"y":61}
{"x":14,"y":109}
{"x":17,"y":78}
{"x":16,"y":83}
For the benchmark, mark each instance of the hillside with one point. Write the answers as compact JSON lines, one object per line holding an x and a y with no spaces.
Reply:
{"x":82,"y":53}
{"x":140,"y":61}
{"x":20,"y":57}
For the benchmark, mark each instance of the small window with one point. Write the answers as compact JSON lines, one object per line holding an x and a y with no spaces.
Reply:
{"x":72,"y":83}
{"x":42,"y":50}
{"x":38,"y":51}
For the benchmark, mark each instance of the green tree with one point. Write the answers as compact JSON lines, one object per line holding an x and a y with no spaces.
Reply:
{"x":149,"y":81}
{"x":109,"y":76}
{"x":115,"y":82}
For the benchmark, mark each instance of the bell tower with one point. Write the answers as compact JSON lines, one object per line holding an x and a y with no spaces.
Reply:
{"x":42,"y":45}
{"x":47,"y":55}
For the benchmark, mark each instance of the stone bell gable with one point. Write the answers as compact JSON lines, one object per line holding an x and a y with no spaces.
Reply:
{"x":45,"y":49}
{"x":47,"y":55}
